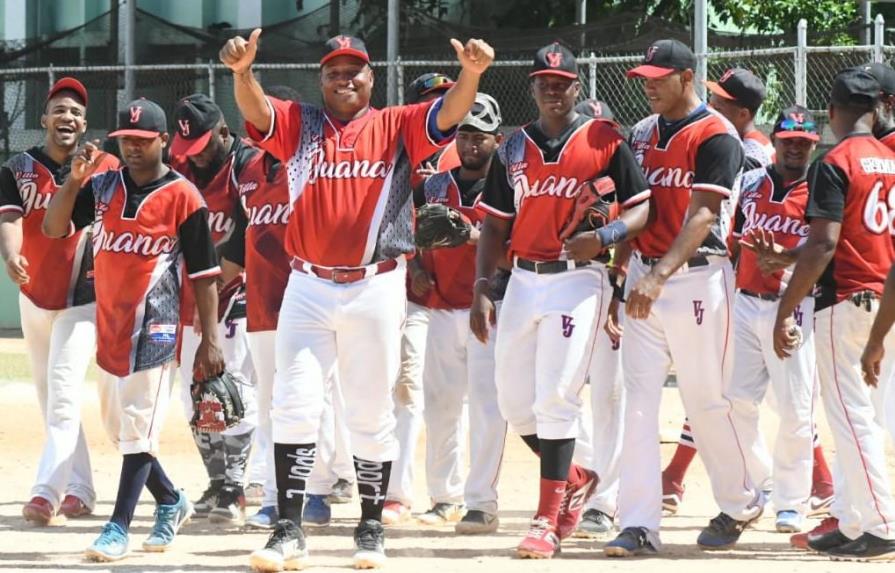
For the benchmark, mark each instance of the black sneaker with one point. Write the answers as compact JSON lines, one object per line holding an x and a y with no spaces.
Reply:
{"x":369,"y":543}
{"x":722,"y":532}
{"x":209,"y":499}
{"x":630,"y":542}
{"x":594,"y":524}
{"x":231,"y":506}
{"x":285,"y":549}
{"x":828,"y":541}
{"x":868,"y":547}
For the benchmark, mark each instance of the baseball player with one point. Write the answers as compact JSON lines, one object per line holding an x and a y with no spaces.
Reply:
{"x":409,"y":388}
{"x":257,"y":245}
{"x":848,"y":252}
{"x":348,"y":233}
{"x":737,"y":95}
{"x":546,"y":332}
{"x":56,"y":301}
{"x":772,"y":208}
{"x":148,"y":221}
{"x":679,"y":292}
{"x":457,"y":364}
{"x":207,"y":154}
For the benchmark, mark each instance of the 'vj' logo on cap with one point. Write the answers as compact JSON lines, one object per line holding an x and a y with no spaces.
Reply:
{"x":554,"y":59}
{"x":726,"y":76}
{"x":650,"y":53}
{"x":136,"y":112}
{"x":344,"y":42}
{"x":184,"y":127}
{"x":798,"y":116}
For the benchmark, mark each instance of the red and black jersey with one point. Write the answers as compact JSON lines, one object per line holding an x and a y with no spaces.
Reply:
{"x":854,"y":184}
{"x":758,"y":149}
{"x":349,"y":183}
{"x":452,"y":270}
{"x":61,"y":270}
{"x":142,"y":236}
{"x":258,"y":236}
{"x":534,"y":181}
{"x":888,"y":139}
{"x":701,"y":152}
{"x":770,"y":203}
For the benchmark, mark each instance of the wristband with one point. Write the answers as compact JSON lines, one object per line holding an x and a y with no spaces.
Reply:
{"x":614,"y":232}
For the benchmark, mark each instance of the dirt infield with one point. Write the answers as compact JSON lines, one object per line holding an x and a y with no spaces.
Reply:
{"x":412,"y":548}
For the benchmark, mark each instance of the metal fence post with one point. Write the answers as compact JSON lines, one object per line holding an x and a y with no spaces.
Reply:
{"x":51,"y":75}
{"x":801,"y":63}
{"x":879,"y":32}
{"x":211,"y":79}
{"x":400,"y":70}
{"x":592,"y":75}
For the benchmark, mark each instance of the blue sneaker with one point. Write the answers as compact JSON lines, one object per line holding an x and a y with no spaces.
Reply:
{"x":266,"y":518}
{"x":723,"y":532}
{"x":317,"y":511}
{"x":168,"y":521}
{"x":111,"y":545}
{"x":789,"y":521}
{"x":630,"y":542}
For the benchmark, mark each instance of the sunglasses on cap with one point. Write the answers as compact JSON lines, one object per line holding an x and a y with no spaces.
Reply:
{"x":793,"y":125}
{"x":434,"y":82}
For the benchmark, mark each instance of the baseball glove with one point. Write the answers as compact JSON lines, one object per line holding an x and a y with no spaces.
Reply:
{"x":595,"y":206}
{"x":439,"y":226}
{"x":217,"y":403}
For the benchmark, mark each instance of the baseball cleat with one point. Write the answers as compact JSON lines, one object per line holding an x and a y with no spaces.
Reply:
{"x":266,"y":518}
{"x":369,"y":543}
{"x":38,"y":511}
{"x":316,"y":511}
{"x":594,"y":525}
{"x":441,"y":513}
{"x":672,"y":495}
{"x":828,"y":541}
{"x":723,"y":532}
{"x":630,"y":542}
{"x":73,"y":507}
{"x":866,"y":548}
{"x":168,"y":521}
{"x":254,"y":493}
{"x":395,"y":512}
{"x":231,"y":507}
{"x":342,"y":492}
{"x":541,"y":541}
{"x":209,"y":498}
{"x":285,"y":550}
{"x":477,"y":522}
{"x":789,"y":521}
{"x":800,"y":540}
{"x":573,"y":504}
{"x":111,"y":545}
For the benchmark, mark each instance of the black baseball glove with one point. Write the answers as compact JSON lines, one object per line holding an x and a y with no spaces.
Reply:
{"x":217,"y":403}
{"x":595,"y":206}
{"x":439,"y":226}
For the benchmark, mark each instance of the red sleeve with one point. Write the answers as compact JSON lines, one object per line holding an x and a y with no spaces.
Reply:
{"x":285,"y":129}
{"x":416,"y":128}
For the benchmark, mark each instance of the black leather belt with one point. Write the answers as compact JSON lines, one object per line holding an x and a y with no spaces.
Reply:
{"x":759,"y":295}
{"x":864,"y":298}
{"x":697,"y":261}
{"x":549,"y":267}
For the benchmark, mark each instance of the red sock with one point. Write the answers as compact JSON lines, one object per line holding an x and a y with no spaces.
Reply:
{"x":821,"y":473}
{"x":681,"y":460}
{"x":552,"y":492}
{"x":577,"y":475}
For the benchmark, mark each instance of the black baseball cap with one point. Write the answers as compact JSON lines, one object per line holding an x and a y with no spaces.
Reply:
{"x":194,"y":117}
{"x":555,"y":59}
{"x":141,"y":118}
{"x":69,"y":84}
{"x":884,"y":74}
{"x":426,"y":84}
{"x":741,"y":86}
{"x":345,"y":46}
{"x":664,"y":57}
{"x":796,"y":122}
{"x":596,"y":109}
{"x":854,"y":86}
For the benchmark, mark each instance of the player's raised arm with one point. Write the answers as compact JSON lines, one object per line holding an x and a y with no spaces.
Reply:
{"x":58,"y":218}
{"x":474,"y":57}
{"x":238,"y":54}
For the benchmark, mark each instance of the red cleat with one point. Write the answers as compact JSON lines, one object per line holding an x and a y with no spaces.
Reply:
{"x":573,"y":502}
{"x":541,"y":541}
{"x":821,"y":499}
{"x":38,"y":511}
{"x":72,"y":507}
{"x":672,"y":495}
{"x":800,"y":540}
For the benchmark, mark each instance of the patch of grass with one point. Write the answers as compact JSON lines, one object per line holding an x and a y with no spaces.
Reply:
{"x":15,"y":366}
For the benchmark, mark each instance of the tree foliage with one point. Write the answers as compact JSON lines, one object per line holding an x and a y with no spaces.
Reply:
{"x":770,"y":16}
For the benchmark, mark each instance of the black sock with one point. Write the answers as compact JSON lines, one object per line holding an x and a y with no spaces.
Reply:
{"x":135,"y":469}
{"x":160,"y":486}
{"x":532,"y":442}
{"x":293,"y":464}
{"x":556,"y":458}
{"x":372,"y":485}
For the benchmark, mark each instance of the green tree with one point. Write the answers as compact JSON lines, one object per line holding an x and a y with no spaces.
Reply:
{"x":774,"y":16}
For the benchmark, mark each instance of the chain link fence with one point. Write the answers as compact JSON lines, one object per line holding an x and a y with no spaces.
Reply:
{"x":602,"y":77}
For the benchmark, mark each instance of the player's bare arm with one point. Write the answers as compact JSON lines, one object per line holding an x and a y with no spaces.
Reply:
{"x":474,"y":57}
{"x":771,"y":255}
{"x":491,"y":247}
{"x":814,"y":256}
{"x":11,"y":247}
{"x":85,"y":162}
{"x":705,"y":207}
{"x":209,"y":357}
{"x":618,"y":272}
{"x":238,"y":54}
{"x":585,"y":246}
{"x":882,"y":324}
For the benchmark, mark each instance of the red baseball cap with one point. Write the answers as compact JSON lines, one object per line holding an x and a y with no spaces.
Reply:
{"x":345,"y":46}
{"x":70,"y":84}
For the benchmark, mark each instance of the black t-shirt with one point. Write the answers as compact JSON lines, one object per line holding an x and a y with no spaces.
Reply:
{"x":828,"y":185}
{"x":469,"y":189}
